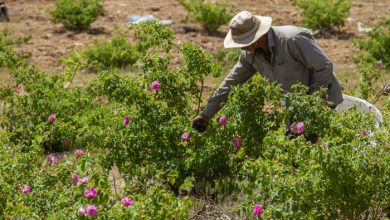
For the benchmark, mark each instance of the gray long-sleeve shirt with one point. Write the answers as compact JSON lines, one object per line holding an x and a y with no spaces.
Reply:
{"x":294,"y":56}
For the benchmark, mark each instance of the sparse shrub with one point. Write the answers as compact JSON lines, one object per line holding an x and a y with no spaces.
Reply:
{"x":210,"y":15}
{"x":76,"y":14}
{"x":323,"y":14}
{"x":368,"y":76}
{"x":116,"y":53}
{"x":153,"y":35}
{"x":378,"y":42}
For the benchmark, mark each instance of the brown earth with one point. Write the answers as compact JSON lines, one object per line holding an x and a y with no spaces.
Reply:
{"x":51,"y":41}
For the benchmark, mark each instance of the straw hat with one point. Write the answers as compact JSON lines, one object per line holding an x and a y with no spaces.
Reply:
{"x":245,"y":29}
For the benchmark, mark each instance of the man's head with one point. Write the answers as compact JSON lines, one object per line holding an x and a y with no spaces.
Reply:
{"x":247,"y":31}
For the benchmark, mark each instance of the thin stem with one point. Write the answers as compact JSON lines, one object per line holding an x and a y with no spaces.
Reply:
{"x":113,"y":177}
{"x":200,"y":95}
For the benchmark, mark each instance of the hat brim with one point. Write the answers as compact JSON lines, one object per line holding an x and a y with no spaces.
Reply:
{"x":229,"y":42}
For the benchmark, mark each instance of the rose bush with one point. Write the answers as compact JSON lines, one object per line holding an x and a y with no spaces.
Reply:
{"x":142,"y":125}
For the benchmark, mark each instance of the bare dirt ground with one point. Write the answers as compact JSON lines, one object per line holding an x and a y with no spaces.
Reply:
{"x":51,"y":41}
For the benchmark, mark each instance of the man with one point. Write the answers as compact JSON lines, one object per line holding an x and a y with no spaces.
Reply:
{"x":286,"y":54}
{"x":3,"y":11}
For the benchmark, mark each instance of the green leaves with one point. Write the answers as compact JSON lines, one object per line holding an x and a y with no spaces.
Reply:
{"x":345,"y":174}
{"x":378,"y":42}
{"x":114,"y":54}
{"x":323,"y":14}
{"x":188,"y":184}
{"x":210,"y":15}
{"x":76,"y":14}
{"x":153,"y":35}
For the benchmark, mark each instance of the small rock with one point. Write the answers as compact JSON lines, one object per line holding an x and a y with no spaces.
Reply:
{"x":155,"y":9}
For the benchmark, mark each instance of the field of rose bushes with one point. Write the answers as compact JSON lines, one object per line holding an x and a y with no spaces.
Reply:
{"x":59,"y":144}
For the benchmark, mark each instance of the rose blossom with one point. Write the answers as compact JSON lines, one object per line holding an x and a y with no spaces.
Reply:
{"x":79,"y":152}
{"x":378,"y":64}
{"x":26,"y":189}
{"x":223,"y":120}
{"x":185,"y":136}
{"x":257,"y":210}
{"x":66,"y":141}
{"x":237,"y":143}
{"x":155,"y":85}
{"x":297,"y":127}
{"x":83,"y":180}
{"x":91,"y":210}
{"x":90,"y":193}
{"x":81,"y":211}
{"x":365,"y":132}
{"x":74,"y":178}
{"x":126,"y":120}
{"x":52,"y":159}
{"x":127,"y":202}
{"x":52,"y":118}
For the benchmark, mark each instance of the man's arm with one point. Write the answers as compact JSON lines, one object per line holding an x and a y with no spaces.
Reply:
{"x":240,"y":73}
{"x":304,"y":49}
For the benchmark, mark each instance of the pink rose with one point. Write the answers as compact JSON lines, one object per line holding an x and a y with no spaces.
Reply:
{"x":297,"y":127}
{"x":52,"y":118}
{"x":91,"y":210}
{"x":378,"y":64}
{"x":90,"y":193}
{"x":257,"y":210}
{"x":223,"y":120}
{"x":155,"y":85}
{"x":74,"y":178}
{"x":126,"y":120}
{"x":81,"y":211}
{"x":365,"y":133}
{"x":79,"y":152}
{"x":26,"y":189}
{"x":66,"y":141}
{"x":237,"y":143}
{"x":127,"y":202}
{"x":185,"y":136}
{"x":52,"y":159}
{"x":83,"y":180}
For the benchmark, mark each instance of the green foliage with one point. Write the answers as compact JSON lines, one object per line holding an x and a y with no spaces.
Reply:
{"x":344,"y":175}
{"x":371,"y":76}
{"x":323,"y":14}
{"x":116,"y":53}
{"x":228,"y":57}
{"x":76,"y":14}
{"x":378,"y":41}
{"x":198,"y":65}
{"x":341,"y":176}
{"x":5,"y":41}
{"x":210,"y":15}
{"x":153,"y":35}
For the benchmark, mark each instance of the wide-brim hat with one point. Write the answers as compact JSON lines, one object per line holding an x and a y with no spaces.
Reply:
{"x":246,"y":29}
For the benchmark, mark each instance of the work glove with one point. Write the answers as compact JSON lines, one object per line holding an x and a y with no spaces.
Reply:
{"x":200,"y":123}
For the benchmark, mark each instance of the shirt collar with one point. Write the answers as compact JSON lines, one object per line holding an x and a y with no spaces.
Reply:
{"x":271,"y":40}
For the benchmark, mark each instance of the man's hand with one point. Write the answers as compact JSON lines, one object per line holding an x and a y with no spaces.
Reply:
{"x":200,"y":123}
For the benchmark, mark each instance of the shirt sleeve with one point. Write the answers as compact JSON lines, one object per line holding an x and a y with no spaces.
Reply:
{"x":304,"y":49}
{"x":240,"y":73}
